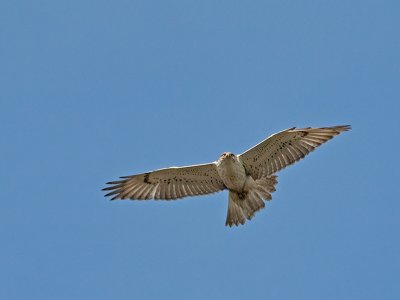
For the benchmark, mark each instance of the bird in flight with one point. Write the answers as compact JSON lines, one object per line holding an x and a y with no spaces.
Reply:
{"x":249,"y":177}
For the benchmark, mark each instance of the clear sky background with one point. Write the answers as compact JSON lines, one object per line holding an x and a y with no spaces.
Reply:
{"x":93,"y":90}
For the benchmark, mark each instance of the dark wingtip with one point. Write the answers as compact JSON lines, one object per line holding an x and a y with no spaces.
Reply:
{"x":347,"y":127}
{"x":113,"y":193}
{"x":116,"y":182}
{"x":342,"y":127}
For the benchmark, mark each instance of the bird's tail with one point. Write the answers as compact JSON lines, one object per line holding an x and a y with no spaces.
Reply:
{"x":244,"y":205}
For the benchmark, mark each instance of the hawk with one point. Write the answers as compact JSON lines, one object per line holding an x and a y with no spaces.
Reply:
{"x":249,"y":177}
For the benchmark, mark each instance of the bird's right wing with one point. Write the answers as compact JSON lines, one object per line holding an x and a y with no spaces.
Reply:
{"x":285,"y":148}
{"x":168,"y":184}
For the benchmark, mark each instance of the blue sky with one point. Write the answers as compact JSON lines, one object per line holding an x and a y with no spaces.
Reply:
{"x":93,"y":90}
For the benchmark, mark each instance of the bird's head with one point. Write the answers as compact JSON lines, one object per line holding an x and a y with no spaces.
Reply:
{"x":227,"y":155}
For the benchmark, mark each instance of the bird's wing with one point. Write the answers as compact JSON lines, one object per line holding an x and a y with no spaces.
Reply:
{"x":168,"y":184}
{"x":285,"y":148}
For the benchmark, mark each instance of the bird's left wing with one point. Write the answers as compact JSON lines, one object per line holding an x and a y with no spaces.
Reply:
{"x":285,"y":148}
{"x":168,"y":184}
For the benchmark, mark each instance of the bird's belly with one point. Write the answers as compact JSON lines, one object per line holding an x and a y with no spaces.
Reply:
{"x":233,"y":175}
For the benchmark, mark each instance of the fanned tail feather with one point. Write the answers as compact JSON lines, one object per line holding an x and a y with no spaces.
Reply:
{"x":244,"y":205}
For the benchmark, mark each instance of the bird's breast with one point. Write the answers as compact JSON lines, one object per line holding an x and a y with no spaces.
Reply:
{"x":232,"y":174}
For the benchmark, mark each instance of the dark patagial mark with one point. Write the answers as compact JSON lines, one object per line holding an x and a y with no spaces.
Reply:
{"x":242,"y":195}
{"x":146,"y":178}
